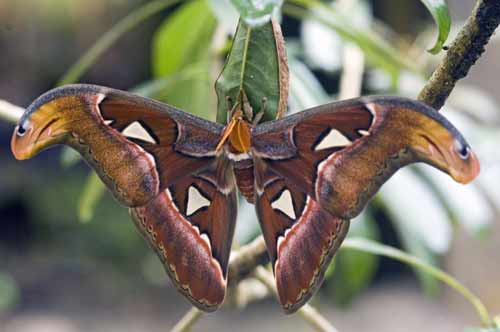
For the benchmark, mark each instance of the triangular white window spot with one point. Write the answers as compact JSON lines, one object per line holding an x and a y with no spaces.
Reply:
{"x":334,"y":139}
{"x":285,"y":204}
{"x":195,"y":201}
{"x":136,"y":130}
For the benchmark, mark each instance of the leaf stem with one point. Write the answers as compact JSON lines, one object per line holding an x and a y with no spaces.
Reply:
{"x":188,"y":320}
{"x":387,"y":251}
{"x":111,"y":36}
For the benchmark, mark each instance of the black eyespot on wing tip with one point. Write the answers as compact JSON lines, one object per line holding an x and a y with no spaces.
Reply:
{"x":21,"y":131}
{"x":22,"y":128}
{"x":464,"y":152}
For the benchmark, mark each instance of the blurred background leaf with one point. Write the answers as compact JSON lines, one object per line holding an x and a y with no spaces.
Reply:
{"x":182,"y":41}
{"x":9,"y":293}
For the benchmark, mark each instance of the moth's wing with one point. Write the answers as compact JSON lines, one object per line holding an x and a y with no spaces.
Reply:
{"x":301,"y":237}
{"x":137,"y":146}
{"x":317,"y":169}
{"x":341,"y":153}
{"x":191,"y":225}
{"x":157,"y":160}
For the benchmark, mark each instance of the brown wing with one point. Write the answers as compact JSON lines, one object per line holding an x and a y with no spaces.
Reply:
{"x":341,"y":153}
{"x":157,"y":160}
{"x":317,"y":169}
{"x":191,"y":227}
{"x":137,"y":146}
{"x":301,"y":238}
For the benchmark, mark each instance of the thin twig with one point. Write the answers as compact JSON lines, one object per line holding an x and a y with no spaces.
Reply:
{"x":10,"y":112}
{"x":463,"y":52}
{"x":307,"y":311}
{"x":188,"y":320}
{"x":245,"y":259}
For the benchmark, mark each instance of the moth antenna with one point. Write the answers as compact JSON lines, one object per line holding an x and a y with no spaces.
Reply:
{"x":229,"y":108}
{"x":261,"y":113}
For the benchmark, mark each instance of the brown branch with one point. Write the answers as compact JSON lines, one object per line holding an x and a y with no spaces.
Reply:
{"x":244,"y":260}
{"x":463,"y":52}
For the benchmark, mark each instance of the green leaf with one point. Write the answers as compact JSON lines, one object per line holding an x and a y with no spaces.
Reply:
{"x":257,"y":12}
{"x":69,"y":157}
{"x":440,"y":13}
{"x":159,"y":88}
{"x":92,"y":192}
{"x":183,"y":39}
{"x":9,"y":292}
{"x":257,"y":65}
{"x":194,"y":95}
{"x":354,"y":270}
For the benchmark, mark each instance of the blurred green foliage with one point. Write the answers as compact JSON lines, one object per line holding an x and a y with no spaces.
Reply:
{"x":9,"y":293}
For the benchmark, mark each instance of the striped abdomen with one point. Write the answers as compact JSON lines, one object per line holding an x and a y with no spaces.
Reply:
{"x":243,"y":171}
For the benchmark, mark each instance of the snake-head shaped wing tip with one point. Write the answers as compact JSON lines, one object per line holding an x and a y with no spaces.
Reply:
{"x":428,"y":134}
{"x":48,"y":120}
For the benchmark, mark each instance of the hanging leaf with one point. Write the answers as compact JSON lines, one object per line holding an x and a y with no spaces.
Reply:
{"x":440,"y":13}
{"x":257,"y":65}
{"x":257,"y":12}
